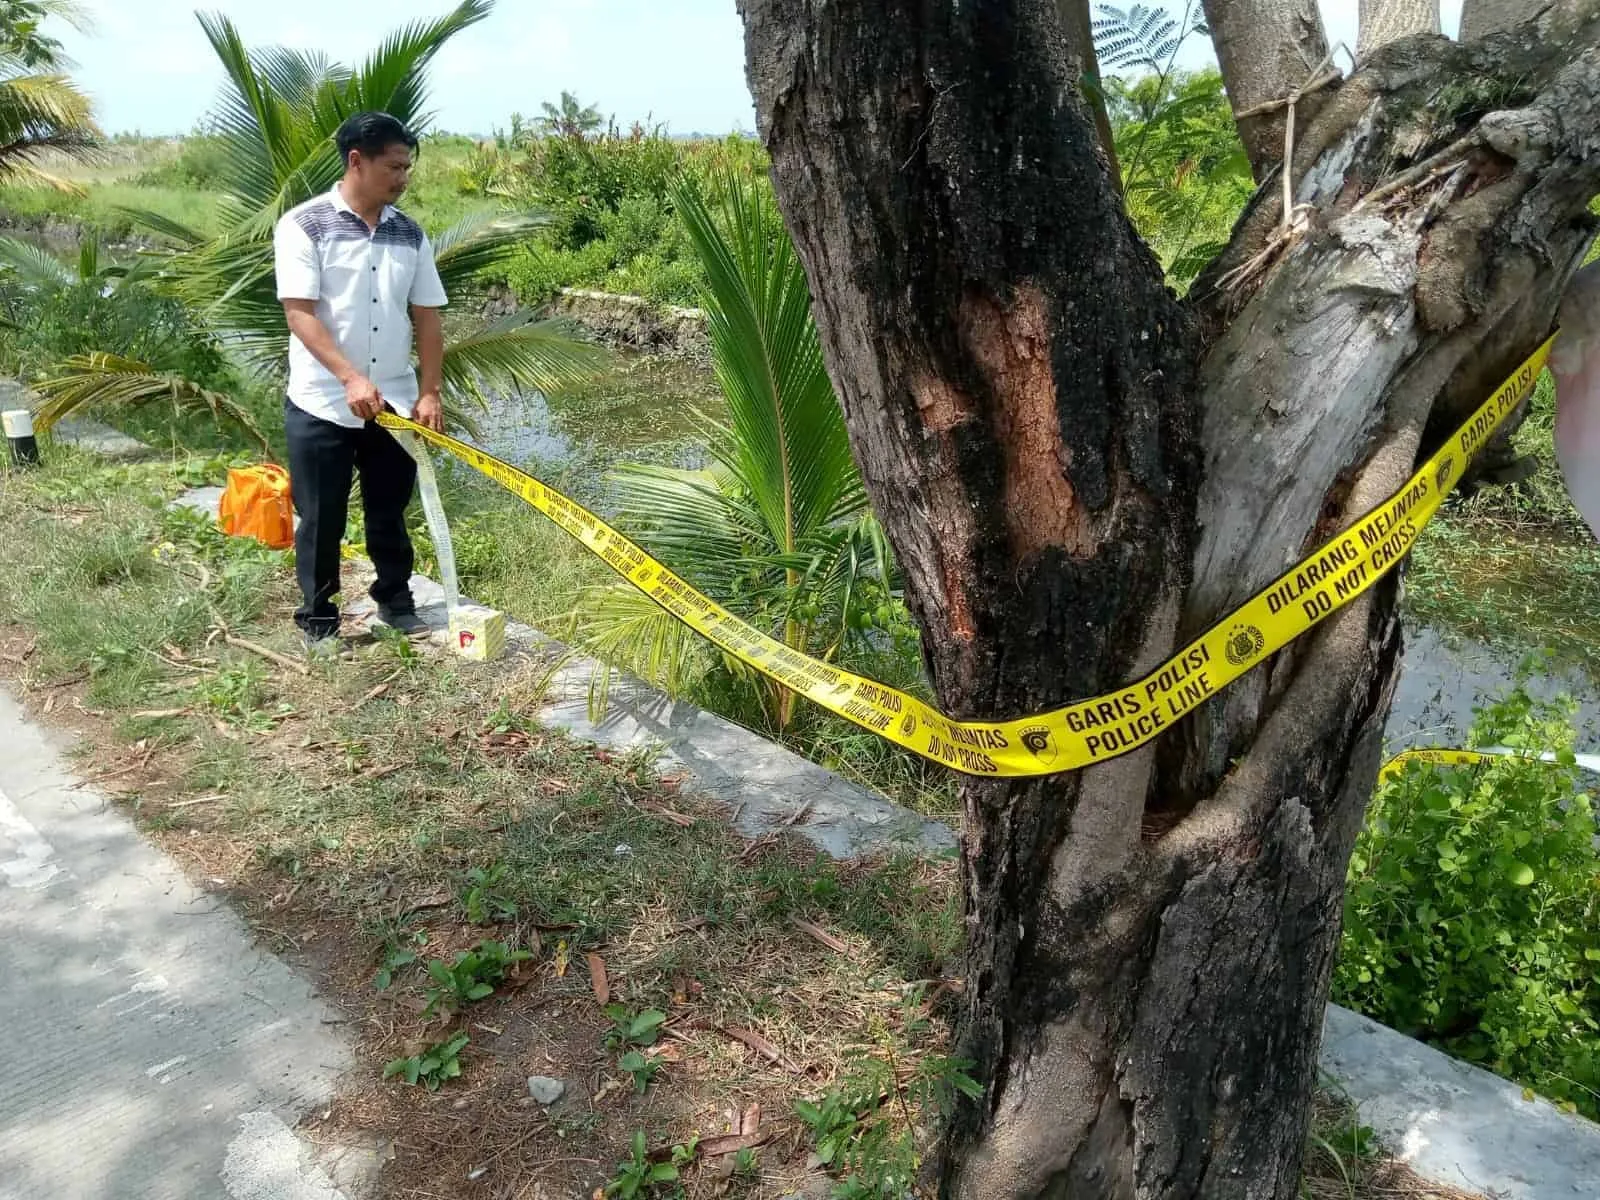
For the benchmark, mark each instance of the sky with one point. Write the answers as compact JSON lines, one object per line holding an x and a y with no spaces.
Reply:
{"x":149,"y":69}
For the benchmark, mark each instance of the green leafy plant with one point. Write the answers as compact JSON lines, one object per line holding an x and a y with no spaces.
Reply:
{"x":396,"y":644}
{"x":471,"y":977}
{"x":482,"y":898}
{"x":747,"y":1162}
{"x":433,"y":1066}
{"x":777,"y":526}
{"x":629,"y":1028}
{"x":641,"y":1068}
{"x":237,"y":694}
{"x":865,"y":1128}
{"x":1185,"y":173}
{"x":399,"y":952}
{"x":1470,"y":915}
{"x":570,"y":118}
{"x":638,"y":1176}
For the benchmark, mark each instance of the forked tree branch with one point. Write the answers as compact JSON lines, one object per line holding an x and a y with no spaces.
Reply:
{"x":1266,"y":50}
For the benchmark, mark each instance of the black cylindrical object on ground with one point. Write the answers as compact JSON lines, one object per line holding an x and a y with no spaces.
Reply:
{"x":19,"y":432}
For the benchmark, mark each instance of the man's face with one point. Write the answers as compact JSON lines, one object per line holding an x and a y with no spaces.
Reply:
{"x":384,"y":175}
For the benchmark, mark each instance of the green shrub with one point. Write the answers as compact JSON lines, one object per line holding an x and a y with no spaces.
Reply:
{"x":537,"y":272}
{"x":1470,"y":916}
{"x":201,"y":162}
{"x":609,"y":200}
{"x":666,"y":281}
{"x":54,"y":322}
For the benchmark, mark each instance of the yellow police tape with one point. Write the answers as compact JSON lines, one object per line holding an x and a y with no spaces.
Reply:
{"x":1443,"y":758}
{"x":1087,"y":731}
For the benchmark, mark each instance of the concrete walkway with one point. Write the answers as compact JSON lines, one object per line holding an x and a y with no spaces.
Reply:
{"x":153,"y":1052}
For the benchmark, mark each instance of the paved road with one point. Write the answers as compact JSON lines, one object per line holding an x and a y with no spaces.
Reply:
{"x":152,"y":1052}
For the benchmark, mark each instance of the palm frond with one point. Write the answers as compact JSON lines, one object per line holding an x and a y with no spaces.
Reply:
{"x":516,"y":353}
{"x":478,"y":243}
{"x":298,"y":77}
{"x":704,"y":531}
{"x":393,"y":79}
{"x":165,"y":226}
{"x":39,"y":113}
{"x":256,"y":126}
{"x":33,"y":266}
{"x":101,"y":380}
{"x":789,"y":444}
{"x":625,"y":630}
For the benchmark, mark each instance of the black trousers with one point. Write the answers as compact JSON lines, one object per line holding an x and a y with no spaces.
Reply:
{"x":323,"y":460}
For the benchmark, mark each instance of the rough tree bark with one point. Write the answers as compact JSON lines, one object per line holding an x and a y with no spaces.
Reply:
{"x":1077,"y":470}
{"x":1267,"y":49}
{"x":1383,"y":21}
{"x":1480,"y":18}
{"x":1078,"y":26}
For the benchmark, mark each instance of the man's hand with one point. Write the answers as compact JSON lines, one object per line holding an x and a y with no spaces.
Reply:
{"x":363,"y":397}
{"x":429,"y":412}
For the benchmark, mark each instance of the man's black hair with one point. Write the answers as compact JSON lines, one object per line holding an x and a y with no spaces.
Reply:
{"x":371,"y":133}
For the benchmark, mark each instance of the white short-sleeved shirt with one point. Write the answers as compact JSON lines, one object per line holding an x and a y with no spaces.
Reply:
{"x":363,"y":281}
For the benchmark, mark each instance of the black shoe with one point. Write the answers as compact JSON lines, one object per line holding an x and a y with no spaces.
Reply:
{"x":407,"y":623}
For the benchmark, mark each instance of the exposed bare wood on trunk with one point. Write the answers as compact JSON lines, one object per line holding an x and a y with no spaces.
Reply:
{"x":1150,"y":941}
{"x":1480,"y":18}
{"x":1266,"y":49}
{"x":1079,"y":28}
{"x":1382,"y":21}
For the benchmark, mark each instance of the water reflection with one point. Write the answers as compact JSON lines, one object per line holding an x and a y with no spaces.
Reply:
{"x":640,"y":410}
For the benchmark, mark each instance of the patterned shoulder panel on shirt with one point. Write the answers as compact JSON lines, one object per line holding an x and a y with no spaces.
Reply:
{"x":322,"y":222}
{"x":399,"y":230}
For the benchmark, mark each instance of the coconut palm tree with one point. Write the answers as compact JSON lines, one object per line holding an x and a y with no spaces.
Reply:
{"x":776,"y":527}
{"x":276,"y":120}
{"x":570,"y":119}
{"x":41,"y":110}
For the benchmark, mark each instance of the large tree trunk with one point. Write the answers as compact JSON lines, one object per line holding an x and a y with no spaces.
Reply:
{"x":1383,"y":21}
{"x":1077,"y":471}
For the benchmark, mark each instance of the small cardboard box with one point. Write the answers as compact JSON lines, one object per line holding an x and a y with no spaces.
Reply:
{"x":477,"y":633}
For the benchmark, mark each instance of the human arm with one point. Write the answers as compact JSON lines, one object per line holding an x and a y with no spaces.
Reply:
{"x":428,"y":325}
{"x":360,"y":393}
{"x":299,"y":280}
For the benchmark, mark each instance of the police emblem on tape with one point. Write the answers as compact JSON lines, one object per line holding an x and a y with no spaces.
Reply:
{"x":908,"y":725}
{"x":1039,"y":743}
{"x":1446,"y":465}
{"x":1244,"y":643}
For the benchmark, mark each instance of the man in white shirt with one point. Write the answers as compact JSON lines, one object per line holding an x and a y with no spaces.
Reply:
{"x":356,"y":277}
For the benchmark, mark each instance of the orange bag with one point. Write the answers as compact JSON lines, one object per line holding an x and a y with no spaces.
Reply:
{"x":256,"y":504}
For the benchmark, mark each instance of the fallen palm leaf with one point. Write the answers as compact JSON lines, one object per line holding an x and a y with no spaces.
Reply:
{"x":100,"y":379}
